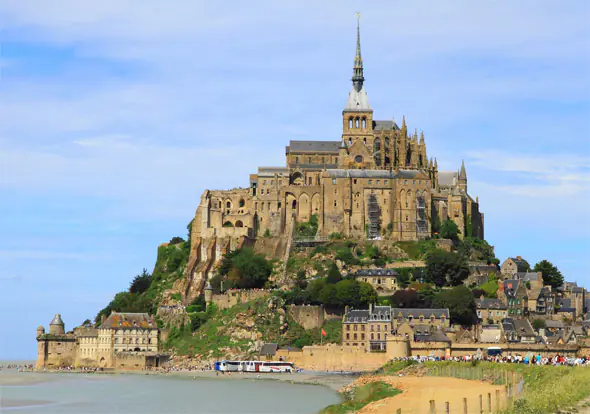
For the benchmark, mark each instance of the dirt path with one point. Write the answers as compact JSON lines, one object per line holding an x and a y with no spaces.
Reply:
{"x":418,"y":391}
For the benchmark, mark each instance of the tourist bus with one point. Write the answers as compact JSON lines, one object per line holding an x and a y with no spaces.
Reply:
{"x":227,"y":366}
{"x":494,"y":351}
{"x":279,"y":366}
{"x":252,"y":366}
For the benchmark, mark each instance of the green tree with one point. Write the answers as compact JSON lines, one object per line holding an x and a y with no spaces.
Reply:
{"x":301,"y":280}
{"x":140,"y":283}
{"x":86,"y":322}
{"x":348,"y":292}
{"x":176,"y":240}
{"x":329,"y":296}
{"x":446,"y":268}
{"x":334,"y":275}
{"x":449,"y":230}
{"x":460,"y":303}
{"x":367,"y":294}
{"x":551,"y":274}
{"x":405,"y":298}
{"x":539,"y":324}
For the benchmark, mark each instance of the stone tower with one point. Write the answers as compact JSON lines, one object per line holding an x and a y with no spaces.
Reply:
{"x":57,"y":327}
{"x":40,"y":331}
{"x":462,"y":181}
{"x":357,"y":116}
{"x":208,"y":293}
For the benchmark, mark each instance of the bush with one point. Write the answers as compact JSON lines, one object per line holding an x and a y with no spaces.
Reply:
{"x":449,"y":230}
{"x":267,"y":233}
{"x":176,"y":240}
{"x":446,"y":268}
{"x":460,"y":303}
{"x":335,"y":236}
{"x":244,"y":269}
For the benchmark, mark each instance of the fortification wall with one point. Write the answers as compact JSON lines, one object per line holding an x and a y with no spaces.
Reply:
{"x":233,"y":297}
{"x":57,"y":351}
{"x":129,"y":360}
{"x":333,"y":357}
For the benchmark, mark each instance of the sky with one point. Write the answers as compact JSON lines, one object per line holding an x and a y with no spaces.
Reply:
{"x":116,"y":115}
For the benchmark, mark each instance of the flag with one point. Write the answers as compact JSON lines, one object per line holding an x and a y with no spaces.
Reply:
{"x":324,"y":332}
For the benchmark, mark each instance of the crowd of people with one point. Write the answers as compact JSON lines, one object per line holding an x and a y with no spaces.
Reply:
{"x":17,"y":367}
{"x":556,"y":360}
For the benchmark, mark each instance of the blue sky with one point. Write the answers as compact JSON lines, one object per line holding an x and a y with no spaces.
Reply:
{"x":115,"y":115}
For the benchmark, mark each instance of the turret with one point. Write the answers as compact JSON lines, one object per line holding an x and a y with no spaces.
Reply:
{"x":463,"y":177}
{"x":57,"y":327}
{"x":40,"y":331}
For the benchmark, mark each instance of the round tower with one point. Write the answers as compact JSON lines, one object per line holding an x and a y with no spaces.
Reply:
{"x":40,"y":331}
{"x":57,"y":327}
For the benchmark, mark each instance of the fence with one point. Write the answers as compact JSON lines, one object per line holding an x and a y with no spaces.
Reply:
{"x":512,"y":384}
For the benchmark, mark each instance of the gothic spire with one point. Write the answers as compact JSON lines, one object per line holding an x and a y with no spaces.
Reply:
{"x":357,"y":73}
{"x":462,"y":173}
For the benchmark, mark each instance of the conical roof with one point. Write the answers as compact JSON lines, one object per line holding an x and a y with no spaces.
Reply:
{"x":57,"y":320}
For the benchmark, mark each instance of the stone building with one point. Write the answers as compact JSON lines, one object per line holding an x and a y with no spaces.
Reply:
{"x":367,"y":329}
{"x":439,"y":318}
{"x":490,"y":311}
{"x":375,"y":182}
{"x":384,"y":281}
{"x":514,"y":265}
{"x":123,"y":340}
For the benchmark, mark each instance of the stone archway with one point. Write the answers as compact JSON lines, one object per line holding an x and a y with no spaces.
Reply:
{"x":315,"y":204}
{"x":303,"y":213}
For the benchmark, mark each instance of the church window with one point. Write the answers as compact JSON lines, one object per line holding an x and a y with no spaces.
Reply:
{"x":406,"y":218}
{"x":335,"y":203}
{"x":356,"y":123}
{"x":323,"y":160}
{"x":309,"y":180}
{"x":349,"y":141}
{"x":364,"y":140}
{"x":242,"y":202}
{"x":405,"y":182}
{"x":358,"y":158}
{"x":364,"y":122}
{"x":350,"y":122}
{"x":296,"y":160}
{"x":309,"y":160}
{"x":269,"y":205}
{"x":279,"y":206}
{"x":228,"y":204}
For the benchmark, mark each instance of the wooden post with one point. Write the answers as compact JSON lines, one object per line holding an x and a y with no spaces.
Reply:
{"x":480,"y":403}
{"x":432,"y":407}
{"x":498,"y":400}
{"x":447,"y":408}
{"x":489,"y":402}
{"x":465,"y":406}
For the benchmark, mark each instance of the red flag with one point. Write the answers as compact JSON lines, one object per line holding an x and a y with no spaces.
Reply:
{"x":324,"y":332}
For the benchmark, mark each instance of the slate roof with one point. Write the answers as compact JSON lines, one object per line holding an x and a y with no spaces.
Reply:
{"x":129,"y":320}
{"x":550,"y":323}
{"x":356,"y":316}
{"x":523,"y":327}
{"x":528,"y":276}
{"x":317,"y":166}
{"x":385,"y":126}
{"x":487,"y":303}
{"x":314,"y":146}
{"x":268,"y":349}
{"x":375,"y":272}
{"x":414,"y":312}
{"x":436,"y":336}
{"x":447,"y":178}
{"x":380,"y":313}
{"x":521,"y":264}
{"x":564,"y":303}
{"x":511,"y":287}
{"x":57,"y":320}
{"x":358,"y":101}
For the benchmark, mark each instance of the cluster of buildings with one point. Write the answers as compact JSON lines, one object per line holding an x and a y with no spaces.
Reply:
{"x":525,"y":311}
{"x":123,"y":340}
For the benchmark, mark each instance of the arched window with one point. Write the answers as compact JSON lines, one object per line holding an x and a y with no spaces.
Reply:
{"x":242,"y":202}
{"x":349,"y":141}
{"x":364,"y":122}
{"x":356,"y":122}
{"x":296,"y":160}
{"x":294,"y":204}
{"x":239,"y":223}
{"x":350,"y":123}
{"x":364,"y":140}
{"x":228,"y":204}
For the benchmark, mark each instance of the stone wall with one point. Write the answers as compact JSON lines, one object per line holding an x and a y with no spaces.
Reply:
{"x":233,"y":297}
{"x":311,"y":316}
{"x":130,"y":360}
{"x":56,"y":351}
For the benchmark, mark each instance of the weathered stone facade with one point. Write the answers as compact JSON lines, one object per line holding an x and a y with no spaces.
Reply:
{"x":375,"y":182}
{"x":123,"y":340}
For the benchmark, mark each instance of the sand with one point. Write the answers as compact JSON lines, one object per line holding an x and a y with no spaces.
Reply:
{"x":418,"y":391}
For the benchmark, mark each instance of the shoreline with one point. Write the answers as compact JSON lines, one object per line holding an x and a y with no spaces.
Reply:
{"x":333,"y":380}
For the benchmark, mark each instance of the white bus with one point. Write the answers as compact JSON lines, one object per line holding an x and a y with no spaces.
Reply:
{"x":271,"y":366}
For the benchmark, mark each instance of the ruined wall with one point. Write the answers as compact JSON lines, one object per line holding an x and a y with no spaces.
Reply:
{"x":233,"y":297}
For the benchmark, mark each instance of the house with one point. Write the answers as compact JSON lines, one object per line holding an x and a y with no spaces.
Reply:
{"x":479,"y":274}
{"x":490,"y":311}
{"x":518,"y":331}
{"x":436,"y":317}
{"x":490,"y":333}
{"x":531,"y":279}
{"x":565,"y":309}
{"x":545,"y":302}
{"x":432,"y":336}
{"x":367,"y":329}
{"x":384,"y":281}
{"x":513,"y":293}
{"x":514,"y":265}
{"x":554,"y":327}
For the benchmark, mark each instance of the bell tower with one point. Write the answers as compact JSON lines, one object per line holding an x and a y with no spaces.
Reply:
{"x":357,"y":116}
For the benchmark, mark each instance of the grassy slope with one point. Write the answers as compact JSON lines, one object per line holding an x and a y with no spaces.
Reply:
{"x":362,"y":396}
{"x":215,"y":334}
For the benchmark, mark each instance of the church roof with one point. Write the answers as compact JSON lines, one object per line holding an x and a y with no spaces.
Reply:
{"x":314,"y":146}
{"x":447,"y":178}
{"x":358,"y":101}
{"x":385,"y":126}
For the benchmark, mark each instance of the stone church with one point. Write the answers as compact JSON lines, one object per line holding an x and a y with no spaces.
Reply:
{"x":375,"y":182}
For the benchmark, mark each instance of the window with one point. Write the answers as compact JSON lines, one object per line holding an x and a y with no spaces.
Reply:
{"x":296,"y":160}
{"x":406,"y":182}
{"x":384,"y":181}
{"x":362,"y":328}
{"x":362,"y":337}
{"x":355,"y":337}
{"x":406,"y":218}
{"x":333,"y":181}
{"x":378,"y":328}
{"x":228,"y":204}
{"x":335,"y":203}
{"x":335,"y":160}
{"x":309,"y":160}
{"x":348,"y":327}
{"x":335,"y":191}
{"x":372,"y":336}
{"x":323,"y":160}
{"x":378,"y":336}
{"x":355,"y":327}
{"x":364,"y":140}
{"x":347,"y":336}
{"x":364,"y":122}
{"x":378,"y":182}
{"x":354,"y":181}
{"x":350,"y":123}
{"x":358,"y":159}
{"x":370,"y":182}
{"x":372,"y":328}
{"x":309,"y":181}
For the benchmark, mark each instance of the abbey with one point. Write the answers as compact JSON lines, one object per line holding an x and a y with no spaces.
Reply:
{"x":375,"y":182}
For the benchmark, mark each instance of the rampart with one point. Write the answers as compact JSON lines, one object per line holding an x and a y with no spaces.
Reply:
{"x":233,"y":297}
{"x":311,"y":316}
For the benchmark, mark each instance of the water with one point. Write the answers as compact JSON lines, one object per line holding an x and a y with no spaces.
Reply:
{"x":44,"y":393}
